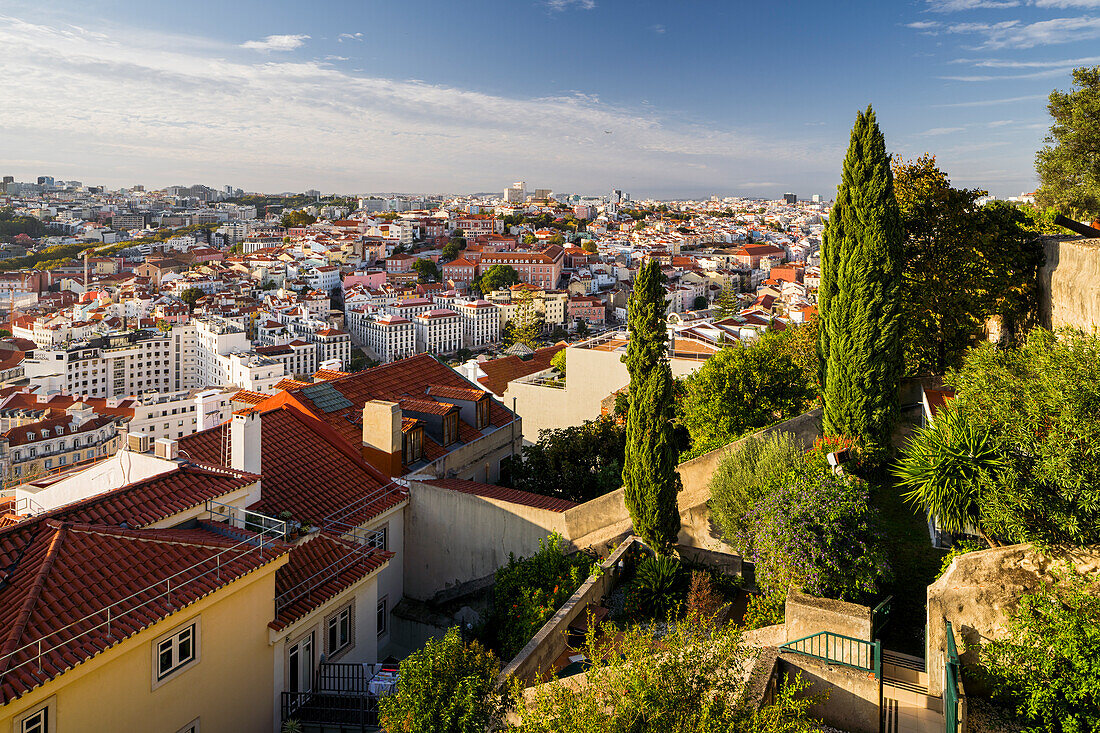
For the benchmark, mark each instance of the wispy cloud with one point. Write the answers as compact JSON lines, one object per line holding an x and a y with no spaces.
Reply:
{"x":1014,"y":64}
{"x":941,"y":131}
{"x":658,"y":28}
{"x":1016,"y":35}
{"x":1045,"y":74}
{"x":276,"y":43}
{"x":558,"y":6}
{"x":362,"y":130}
{"x":1063,"y":4}
{"x":954,"y":6}
{"x":349,"y":37}
{"x":923,"y":25}
{"x":993,"y":102}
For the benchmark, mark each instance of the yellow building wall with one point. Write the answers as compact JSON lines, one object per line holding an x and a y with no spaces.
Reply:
{"x":229,"y":689}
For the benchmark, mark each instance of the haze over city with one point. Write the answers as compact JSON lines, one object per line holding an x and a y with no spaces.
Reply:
{"x":665,"y":100}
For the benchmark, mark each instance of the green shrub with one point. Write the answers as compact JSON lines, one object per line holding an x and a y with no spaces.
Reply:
{"x":757,"y":465}
{"x":658,"y":586}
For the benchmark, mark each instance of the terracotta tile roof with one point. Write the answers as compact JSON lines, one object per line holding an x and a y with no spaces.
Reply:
{"x":32,"y":432}
{"x":502,"y":493}
{"x":249,"y":397}
{"x":59,"y":575}
{"x":426,"y":407}
{"x":306,"y":471}
{"x":499,"y":372}
{"x":153,"y":499}
{"x":324,"y":375}
{"x":456,"y":393}
{"x":406,"y":379}
{"x":289,"y":384}
{"x":320,"y":568}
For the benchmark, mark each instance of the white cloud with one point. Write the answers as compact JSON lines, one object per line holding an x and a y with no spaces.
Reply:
{"x":277,"y":124}
{"x":659,"y":29}
{"x":923,"y":25}
{"x":993,"y":102}
{"x":1013,"y":64}
{"x":1014,"y":34}
{"x":941,"y":131}
{"x":349,"y":37}
{"x":1045,"y":74}
{"x":953,"y":6}
{"x":276,"y":43}
{"x":1063,"y":4}
{"x":558,"y":6}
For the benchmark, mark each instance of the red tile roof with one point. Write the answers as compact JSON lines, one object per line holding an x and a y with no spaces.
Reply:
{"x":320,"y":568}
{"x":499,"y":372}
{"x":456,"y":393}
{"x":306,"y":470}
{"x":63,"y":575}
{"x":502,"y":493}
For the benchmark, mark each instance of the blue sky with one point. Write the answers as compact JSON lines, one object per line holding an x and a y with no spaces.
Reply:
{"x":663,"y":99}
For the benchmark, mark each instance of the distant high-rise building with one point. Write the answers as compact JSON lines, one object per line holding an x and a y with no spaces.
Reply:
{"x":816,"y":198}
{"x":542,"y":194}
{"x":313,"y":193}
{"x":45,"y":180}
{"x":516,"y":193}
{"x":138,"y":188}
{"x":8,"y":180}
{"x":616,"y":196}
{"x":790,"y":198}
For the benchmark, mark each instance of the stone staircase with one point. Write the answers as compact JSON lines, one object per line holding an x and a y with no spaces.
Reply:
{"x":907,"y":706}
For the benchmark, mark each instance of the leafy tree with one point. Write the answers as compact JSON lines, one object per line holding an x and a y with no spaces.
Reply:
{"x":530,"y":239}
{"x":727,"y":303}
{"x":297,"y":219}
{"x":5,"y":333}
{"x":1040,"y":405}
{"x":1046,"y":667}
{"x":589,"y":246}
{"x":191,"y":296}
{"x":699,"y":303}
{"x":963,"y":264}
{"x":426,"y":270}
{"x":649,"y":469}
{"x":558,"y":361}
{"x":497,"y":277}
{"x":860,"y":293}
{"x":741,"y":388}
{"x":12,"y":225}
{"x":450,"y":251}
{"x":582,"y":327}
{"x":578,"y":463}
{"x":527,"y":327}
{"x":815,"y":531}
{"x":558,"y":334}
{"x":1069,"y":164}
{"x":556,"y":239}
{"x":691,"y":682}
{"x":446,"y":686}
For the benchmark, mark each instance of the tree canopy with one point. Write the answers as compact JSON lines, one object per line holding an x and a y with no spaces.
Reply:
{"x":578,"y":463}
{"x":1069,"y":164}
{"x":426,"y":270}
{"x":497,"y":277}
{"x":298,"y":219}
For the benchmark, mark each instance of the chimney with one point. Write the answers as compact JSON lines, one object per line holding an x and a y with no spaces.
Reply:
{"x":244,"y":441}
{"x":382,"y":436}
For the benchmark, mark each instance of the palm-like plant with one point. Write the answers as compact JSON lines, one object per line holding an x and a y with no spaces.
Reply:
{"x":945,"y":466}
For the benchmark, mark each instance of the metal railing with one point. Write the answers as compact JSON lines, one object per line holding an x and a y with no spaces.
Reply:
{"x":107,"y":618}
{"x":340,"y":516}
{"x":305,"y":587}
{"x":951,"y":682}
{"x":839,"y":649}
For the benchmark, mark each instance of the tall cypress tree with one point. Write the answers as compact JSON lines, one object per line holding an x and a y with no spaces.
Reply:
{"x":860,"y":293}
{"x":649,"y":467}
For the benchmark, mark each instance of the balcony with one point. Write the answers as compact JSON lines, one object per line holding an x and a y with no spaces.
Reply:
{"x":345,"y":698}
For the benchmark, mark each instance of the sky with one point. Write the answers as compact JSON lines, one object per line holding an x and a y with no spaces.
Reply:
{"x":665,"y":99}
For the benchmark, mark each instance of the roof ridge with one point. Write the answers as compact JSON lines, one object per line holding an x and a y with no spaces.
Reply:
{"x":20,"y":626}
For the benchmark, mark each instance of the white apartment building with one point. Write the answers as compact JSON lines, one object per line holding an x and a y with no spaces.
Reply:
{"x":387,"y":336}
{"x":438,"y":331}
{"x":298,"y":357}
{"x":324,"y":278}
{"x":480,"y":323}
{"x":216,"y":338}
{"x":251,"y":371}
{"x":122,"y":363}
{"x":410,"y":308}
{"x":176,"y":414}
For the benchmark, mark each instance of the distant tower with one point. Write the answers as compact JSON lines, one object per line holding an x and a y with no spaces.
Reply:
{"x":87,"y":272}
{"x":790,"y":198}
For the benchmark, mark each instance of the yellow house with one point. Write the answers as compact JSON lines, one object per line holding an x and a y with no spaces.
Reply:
{"x":111,"y":629}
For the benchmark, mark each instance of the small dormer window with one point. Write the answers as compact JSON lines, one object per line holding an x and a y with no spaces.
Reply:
{"x":59,"y":430}
{"x":30,"y":436}
{"x":483,"y":413}
{"x":450,"y":428}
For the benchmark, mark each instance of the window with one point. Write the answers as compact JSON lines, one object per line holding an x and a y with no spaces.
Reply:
{"x":379,"y":539}
{"x":383,"y":616}
{"x":300,"y":665}
{"x":339,"y":631}
{"x":42,"y":720}
{"x":176,"y":651}
{"x":413,"y":445}
{"x":450,"y":428}
{"x":483,"y":412}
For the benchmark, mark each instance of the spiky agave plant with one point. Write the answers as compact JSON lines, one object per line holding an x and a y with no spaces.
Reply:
{"x":945,"y":466}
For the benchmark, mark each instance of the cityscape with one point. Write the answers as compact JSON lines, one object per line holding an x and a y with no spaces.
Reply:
{"x":707,"y":425}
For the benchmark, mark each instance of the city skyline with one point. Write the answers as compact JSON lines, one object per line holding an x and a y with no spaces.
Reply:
{"x":571,"y":95}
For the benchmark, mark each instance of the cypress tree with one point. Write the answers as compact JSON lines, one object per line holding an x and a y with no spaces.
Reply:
{"x":649,"y":467}
{"x":860,"y":294}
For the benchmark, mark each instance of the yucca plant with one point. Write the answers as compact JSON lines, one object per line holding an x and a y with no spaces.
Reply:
{"x":945,"y":466}
{"x":658,"y":584}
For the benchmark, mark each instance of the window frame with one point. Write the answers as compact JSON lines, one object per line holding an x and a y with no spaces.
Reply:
{"x":47,"y":708}
{"x":382,"y":616}
{"x":160,"y":676}
{"x":332,"y":624}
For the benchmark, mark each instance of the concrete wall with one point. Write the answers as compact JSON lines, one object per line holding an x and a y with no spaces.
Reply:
{"x":1069,"y":284}
{"x":547,"y":645}
{"x":480,"y":460}
{"x":454,"y":538}
{"x":981,"y":590}
{"x":853,"y":696}
{"x":806,"y":615}
{"x":592,"y":375}
{"x":606,"y":517}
